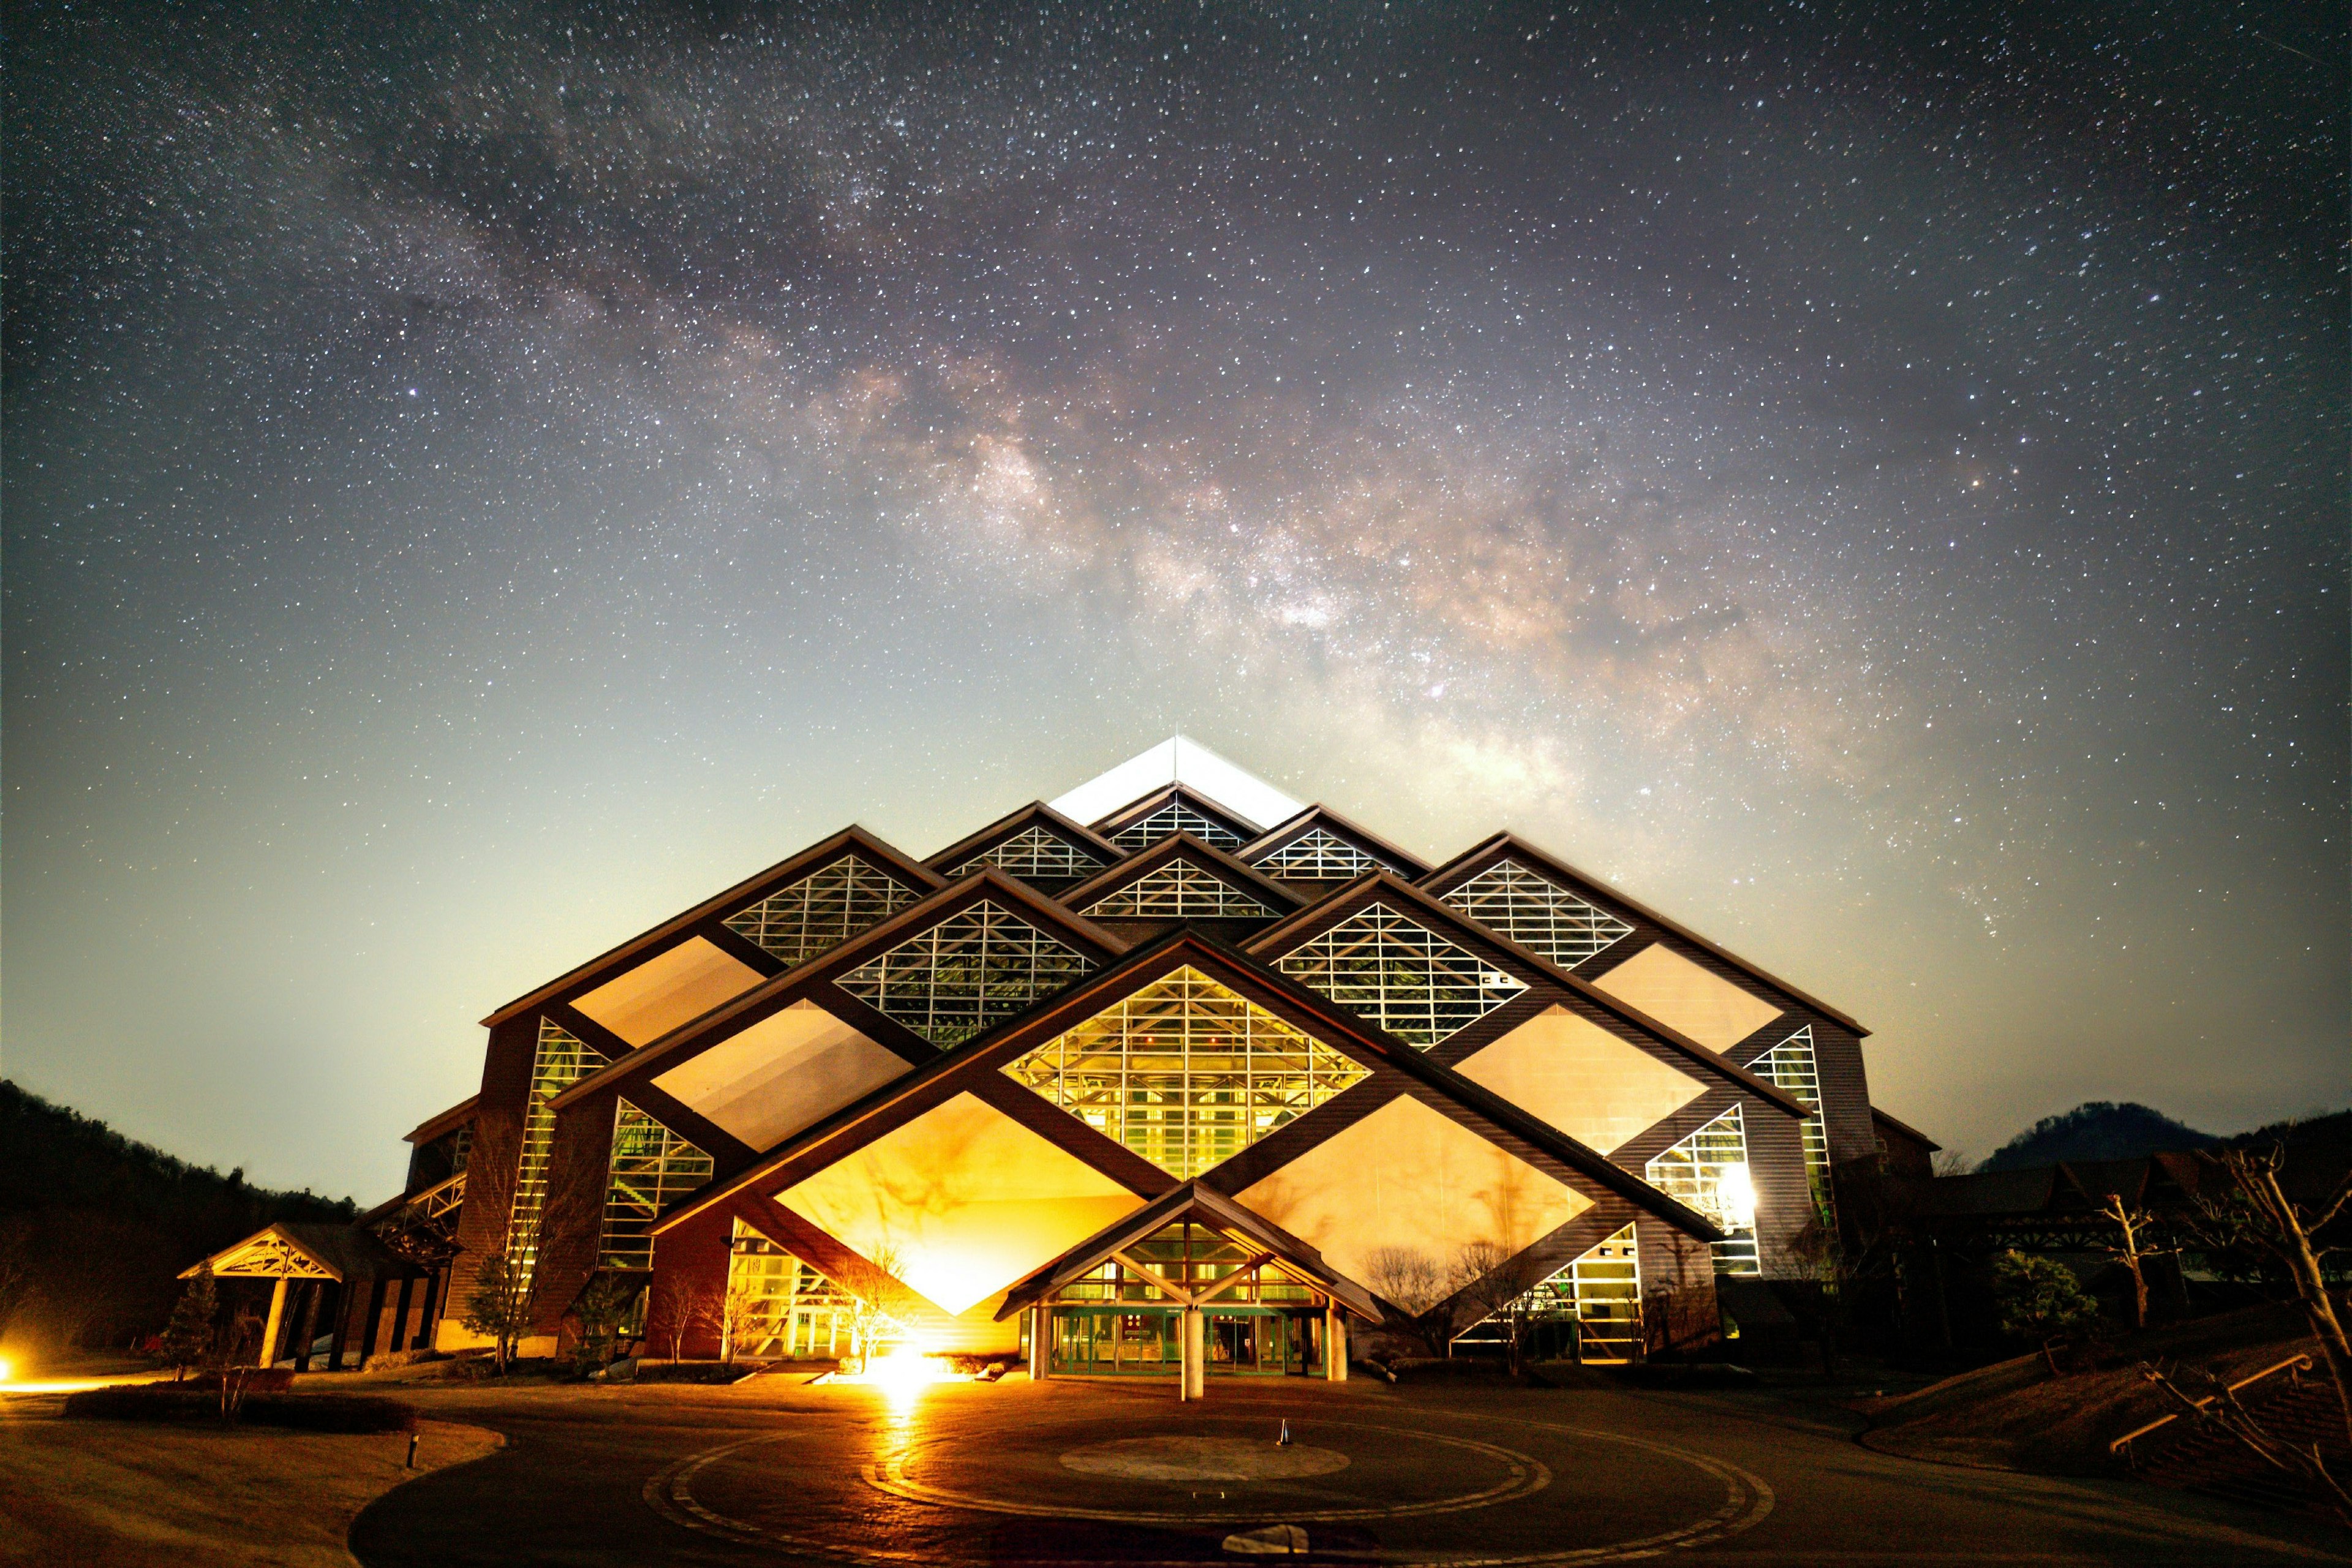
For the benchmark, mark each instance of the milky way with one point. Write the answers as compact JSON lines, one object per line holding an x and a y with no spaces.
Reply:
{"x":1871,"y":482}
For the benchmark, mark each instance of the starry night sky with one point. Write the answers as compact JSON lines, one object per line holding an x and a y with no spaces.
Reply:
{"x":1870,"y":480}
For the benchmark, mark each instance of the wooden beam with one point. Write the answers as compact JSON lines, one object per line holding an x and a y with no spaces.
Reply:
{"x":1182,"y":1298}
{"x":1236,"y":1277}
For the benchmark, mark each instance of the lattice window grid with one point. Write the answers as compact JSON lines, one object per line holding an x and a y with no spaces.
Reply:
{"x":651,"y":1168}
{"x":1400,"y":975}
{"x":560,"y":1060}
{"x":1034,"y":854}
{"x":1179,"y":890}
{"x":822,"y":910}
{"x":1316,"y":856}
{"x":1513,"y":902}
{"x":1695,"y":1172}
{"x":970,"y":971}
{"x":1175,"y":817}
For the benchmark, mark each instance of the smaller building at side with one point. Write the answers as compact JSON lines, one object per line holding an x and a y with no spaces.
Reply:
{"x":1171,"y":1060}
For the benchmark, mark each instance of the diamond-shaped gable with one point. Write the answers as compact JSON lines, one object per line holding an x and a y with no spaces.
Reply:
{"x":972,"y":970}
{"x":1511,"y":900}
{"x":1185,"y":1072}
{"x":1179,"y":890}
{"x":1034,"y":855}
{"x":1401,"y":975}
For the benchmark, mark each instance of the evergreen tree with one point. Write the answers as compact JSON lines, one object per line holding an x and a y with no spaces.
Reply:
{"x":189,"y":1333}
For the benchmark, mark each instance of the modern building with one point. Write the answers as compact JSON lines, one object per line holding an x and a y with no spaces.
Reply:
{"x":1172,"y":1061}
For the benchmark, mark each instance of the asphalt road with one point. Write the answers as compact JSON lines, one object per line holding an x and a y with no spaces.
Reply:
{"x":1069,"y":1472}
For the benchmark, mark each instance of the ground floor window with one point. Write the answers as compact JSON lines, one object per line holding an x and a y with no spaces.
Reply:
{"x":1708,"y":1172}
{"x":781,"y":1308}
{"x":1103,"y":1342}
{"x":1589,"y":1310}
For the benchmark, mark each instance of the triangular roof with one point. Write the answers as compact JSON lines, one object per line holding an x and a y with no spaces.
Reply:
{"x":291,"y":1250}
{"x":1179,"y":760}
{"x":1279,"y":837}
{"x":1226,"y":867}
{"x":1906,"y":1128}
{"x":1510,"y":845}
{"x":1036,"y":814}
{"x":1183,"y":798}
{"x":985,"y":1053}
{"x":987,"y":884}
{"x":782,"y":874}
{"x":1203,"y":1206}
{"x":1376,"y":886}
{"x":446,"y":1123}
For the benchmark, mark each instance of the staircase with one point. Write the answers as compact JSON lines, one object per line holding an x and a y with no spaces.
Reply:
{"x":2201,"y":1458}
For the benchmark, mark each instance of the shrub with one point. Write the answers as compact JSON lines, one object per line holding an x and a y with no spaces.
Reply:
{"x":2039,"y":1300}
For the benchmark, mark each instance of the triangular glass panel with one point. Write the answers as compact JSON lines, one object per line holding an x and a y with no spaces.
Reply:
{"x":1401,"y":975}
{"x":651,"y":1168}
{"x":1175,"y":817}
{"x":822,"y":910}
{"x":1034,"y":854}
{"x":971,"y":970}
{"x":1185,"y":1072}
{"x":1511,"y":900}
{"x":1708,"y":1172}
{"x":1317,"y":856}
{"x":1178,"y":890}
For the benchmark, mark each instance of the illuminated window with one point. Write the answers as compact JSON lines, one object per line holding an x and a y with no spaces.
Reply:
{"x":1509,"y":898}
{"x":1193,"y":1259}
{"x":652,"y":1167}
{"x":563,"y":1059}
{"x":822,"y":910}
{"x":1036,"y":856}
{"x":1790,"y":1066}
{"x":1404,"y":977}
{"x":1175,"y":817}
{"x":1185,"y":1072}
{"x":1601,"y":1291}
{"x":1178,"y":890}
{"x":1708,"y":1172}
{"x":782,"y":1308}
{"x":971,"y":970}
{"x":1316,"y":856}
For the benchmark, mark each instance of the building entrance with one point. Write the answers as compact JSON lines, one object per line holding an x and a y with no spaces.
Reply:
{"x":1145,"y":1342}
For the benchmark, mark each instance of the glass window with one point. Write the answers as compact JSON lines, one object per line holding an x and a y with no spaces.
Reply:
{"x":822,"y":910}
{"x":1790,"y":1065}
{"x":971,"y":970}
{"x":1185,"y":1072}
{"x":1316,"y":856}
{"x":1179,"y":890}
{"x":1508,"y":899}
{"x":1034,"y":854}
{"x":561,"y":1060}
{"x":1175,"y":817}
{"x":1402,"y":976}
{"x":785,"y":1309}
{"x":652,"y":1167}
{"x":1602,"y":1291}
{"x":1708,"y":1172}
{"x":1193,"y":1259}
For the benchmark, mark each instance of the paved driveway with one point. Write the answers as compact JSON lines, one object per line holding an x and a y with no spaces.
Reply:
{"x":1070,"y":1472}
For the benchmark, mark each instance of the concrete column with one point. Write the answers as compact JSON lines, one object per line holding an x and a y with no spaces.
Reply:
{"x":1041,"y":1342}
{"x":306,"y":1324}
{"x":345,"y":1297}
{"x":1335,"y":1344}
{"x":1195,"y":1360}
{"x":268,"y":1354}
{"x":400,"y":1316}
{"x":372,"y":1324}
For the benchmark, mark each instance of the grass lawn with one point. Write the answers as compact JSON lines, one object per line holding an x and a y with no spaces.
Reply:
{"x":126,"y":1495}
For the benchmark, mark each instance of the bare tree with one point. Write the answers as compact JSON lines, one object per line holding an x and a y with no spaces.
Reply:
{"x":682,"y":1304}
{"x":2255,"y":1213}
{"x":2131,"y":1249}
{"x":1416,"y":1287}
{"x":1496,"y":1282}
{"x":879,"y":1300}
{"x":2223,"y":1409}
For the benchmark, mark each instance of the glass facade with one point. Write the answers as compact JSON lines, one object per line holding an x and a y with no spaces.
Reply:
{"x":786,"y":1310}
{"x":1115,"y":1321}
{"x":1601,"y":1293}
{"x":1179,"y":890}
{"x":1034,"y":854}
{"x":1185,"y":1072}
{"x":1316,"y":856}
{"x":970,"y":971}
{"x":652,"y":1167}
{"x":1175,"y":817}
{"x":1402,"y":976}
{"x":1708,"y":1172}
{"x":1508,"y":899}
{"x":563,"y":1059}
{"x":822,"y":910}
{"x":1789,"y":1064}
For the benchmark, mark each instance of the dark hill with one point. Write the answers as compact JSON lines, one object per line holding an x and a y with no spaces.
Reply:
{"x":95,"y":1227}
{"x":2096,"y":1129}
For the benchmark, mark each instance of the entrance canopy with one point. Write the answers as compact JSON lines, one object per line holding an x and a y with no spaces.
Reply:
{"x":1268,"y":1244}
{"x":338,"y":1252}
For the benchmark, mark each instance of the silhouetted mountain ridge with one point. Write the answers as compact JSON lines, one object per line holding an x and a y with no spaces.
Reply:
{"x":2097,"y":1129}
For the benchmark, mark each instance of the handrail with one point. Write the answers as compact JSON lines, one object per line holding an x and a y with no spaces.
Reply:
{"x":2296,"y":1364}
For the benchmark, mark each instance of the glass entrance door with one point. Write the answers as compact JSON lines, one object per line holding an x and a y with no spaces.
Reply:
{"x":1109,"y":1342}
{"x":1255,"y":1340}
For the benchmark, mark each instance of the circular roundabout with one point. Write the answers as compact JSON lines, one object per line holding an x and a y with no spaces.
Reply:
{"x":1392,"y":1490}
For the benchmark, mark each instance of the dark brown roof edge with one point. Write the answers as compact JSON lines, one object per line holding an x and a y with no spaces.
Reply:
{"x":1904,"y":1128}
{"x":447,"y":1122}
{"x":1144,"y":861}
{"x":916,"y":872}
{"x":1004,"y":826}
{"x":1306,"y":818}
{"x":1144,"y":805}
{"x":1664,"y":922}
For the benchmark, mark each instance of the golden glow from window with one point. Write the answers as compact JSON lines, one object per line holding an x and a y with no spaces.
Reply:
{"x":1185,"y":1072}
{"x":652,"y":1167}
{"x":1708,"y":1172}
